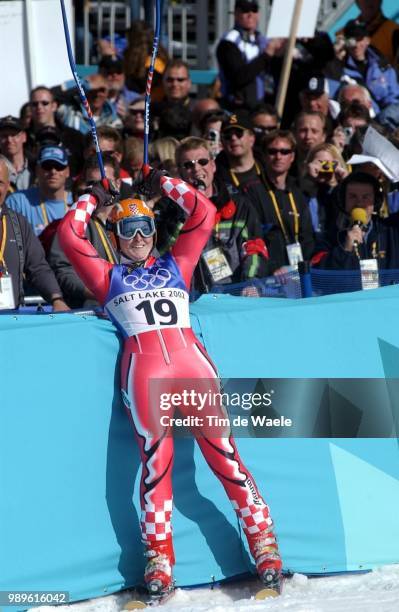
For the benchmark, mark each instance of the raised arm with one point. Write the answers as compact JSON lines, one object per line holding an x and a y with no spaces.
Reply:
{"x":93,"y":271}
{"x":197,"y":228}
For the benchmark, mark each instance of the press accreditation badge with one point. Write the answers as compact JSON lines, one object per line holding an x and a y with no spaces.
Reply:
{"x":294,"y":253}
{"x":217,"y":264}
{"x":6,"y":293}
{"x":369,"y":273}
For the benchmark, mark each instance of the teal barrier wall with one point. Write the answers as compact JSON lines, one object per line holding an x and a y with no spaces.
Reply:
{"x":69,"y":466}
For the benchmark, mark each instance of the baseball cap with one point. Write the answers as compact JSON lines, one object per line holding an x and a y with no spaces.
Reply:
{"x":56,"y":154}
{"x":317,"y":85}
{"x":238,"y":119}
{"x":11,"y":123}
{"x":355,"y":29}
{"x":111,"y":63}
{"x":246,"y":6}
{"x":48,"y":135}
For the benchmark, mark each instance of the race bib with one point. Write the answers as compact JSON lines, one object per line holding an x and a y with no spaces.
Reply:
{"x":7,"y":301}
{"x":150,"y":309}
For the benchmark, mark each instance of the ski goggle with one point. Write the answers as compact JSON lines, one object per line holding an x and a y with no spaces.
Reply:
{"x":127,"y":228}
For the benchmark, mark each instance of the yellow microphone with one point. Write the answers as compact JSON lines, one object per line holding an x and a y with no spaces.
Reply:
{"x":359,"y":217}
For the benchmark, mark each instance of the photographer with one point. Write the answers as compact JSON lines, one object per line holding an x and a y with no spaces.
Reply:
{"x":324,"y":169}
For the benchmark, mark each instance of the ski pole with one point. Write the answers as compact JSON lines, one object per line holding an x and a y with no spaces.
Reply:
{"x":150,"y":75}
{"x":83,"y":98}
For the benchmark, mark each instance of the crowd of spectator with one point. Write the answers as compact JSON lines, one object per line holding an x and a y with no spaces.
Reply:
{"x":284,"y":187}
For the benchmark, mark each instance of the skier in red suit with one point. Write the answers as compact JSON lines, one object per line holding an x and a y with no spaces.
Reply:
{"x":147,"y":298}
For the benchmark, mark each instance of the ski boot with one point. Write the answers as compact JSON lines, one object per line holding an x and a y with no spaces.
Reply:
{"x":158,"y":571}
{"x":264,"y":550}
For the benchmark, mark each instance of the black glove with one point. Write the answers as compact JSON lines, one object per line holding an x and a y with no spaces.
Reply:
{"x":105,"y":192}
{"x":148,"y":183}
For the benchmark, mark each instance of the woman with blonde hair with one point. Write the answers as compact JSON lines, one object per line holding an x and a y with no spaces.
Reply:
{"x":162,"y":149}
{"x":323,"y":170}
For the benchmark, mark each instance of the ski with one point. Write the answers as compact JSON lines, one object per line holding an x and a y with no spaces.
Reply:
{"x":148,"y":601}
{"x":269,"y":591}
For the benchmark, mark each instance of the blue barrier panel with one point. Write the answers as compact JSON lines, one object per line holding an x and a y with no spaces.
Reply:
{"x":69,"y":464}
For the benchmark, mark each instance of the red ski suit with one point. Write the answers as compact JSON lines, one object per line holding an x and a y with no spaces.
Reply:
{"x":161,"y":345}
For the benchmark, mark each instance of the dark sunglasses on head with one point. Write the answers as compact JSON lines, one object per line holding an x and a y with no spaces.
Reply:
{"x":178,"y":79}
{"x":273,"y":151}
{"x":50,"y":165}
{"x":40,"y":103}
{"x":190,"y":164}
{"x":238,"y":132}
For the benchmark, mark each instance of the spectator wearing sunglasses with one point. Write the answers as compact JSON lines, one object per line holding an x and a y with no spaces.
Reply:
{"x":133,"y":122}
{"x":104,"y":111}
{"x":246,"y":60}
{"x":236,"y":163}
{"x":283,"y":212}
{"x":44,"y":108}
{"x":51,"y":199}
{"x":264,"y":120}
{"x":235,"y":251}
{"x":111,"y":68}
{"x":172,"y":116}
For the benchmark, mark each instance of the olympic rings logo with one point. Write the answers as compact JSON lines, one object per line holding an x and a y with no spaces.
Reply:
{"x":147,"y":280}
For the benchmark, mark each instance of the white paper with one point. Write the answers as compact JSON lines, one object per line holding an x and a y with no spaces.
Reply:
{"x":281,"y":17}
{"x":364,"y":159}
{"x":376,"y":145}
{"x":47,"y":51}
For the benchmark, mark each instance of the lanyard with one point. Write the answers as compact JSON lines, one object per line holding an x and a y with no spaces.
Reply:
{"x":374,"y":253}
{"x":235,"y":179}
{"x":3,"y":241}
{"x":44,"y":210}
{"x":110,"y":256}
{"x":280,"y":219}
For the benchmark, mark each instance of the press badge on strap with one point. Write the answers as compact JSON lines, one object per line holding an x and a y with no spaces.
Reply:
{"x":6,"y":293}
{"x":294,"y":253}
{"x":369,"y":273}
{"x":217,"y":264}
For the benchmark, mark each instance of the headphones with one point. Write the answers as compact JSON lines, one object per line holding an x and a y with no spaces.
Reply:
{"x":363,"y":178}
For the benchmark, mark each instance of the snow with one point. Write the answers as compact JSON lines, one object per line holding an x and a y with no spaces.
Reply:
{"x":376,"y":591}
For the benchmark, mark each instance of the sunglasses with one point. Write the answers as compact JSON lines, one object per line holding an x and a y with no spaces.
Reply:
{"x":260,"y":129}
{"x":98,"y":91}
{"x":238,"y":132}
{"x":128,"y":228}
{"x":49,"y":165}
{"x":178,"y":79}
{"x":40,"y":103}
{"x":273,"y":151}
{"x":190,"y":164}
{"x":135,"y":112}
